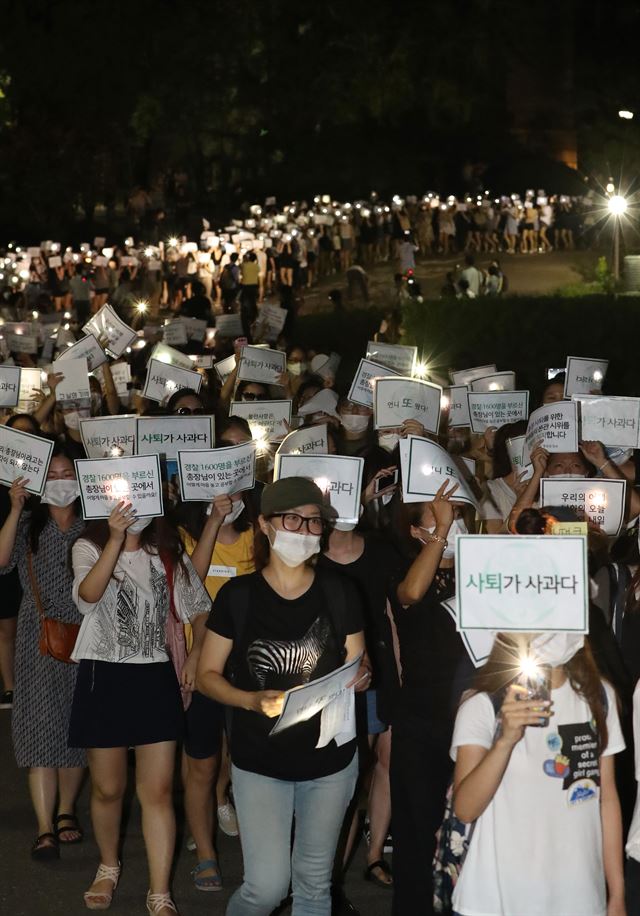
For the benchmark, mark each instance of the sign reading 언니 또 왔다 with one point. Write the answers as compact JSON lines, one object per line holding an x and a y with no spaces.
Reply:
{"x":614,"y":421}
{"x":424,"y":467}
{"x":496,"y":408}
{"x":397,"y":399}
{"x":529,"y":583}
{"x":24,"y":455}
{"x":9,"y":385}
{"x":168,"y":435}
{"x":361,"y":391}
{"x":205,"y":474}
{"x":584,"y":375}
{"x":164,"y":380}
{"x":602,"y":500}
{"x":104,"y":482}
{"x":554,"y":426}
{"x":258,"y":364}
{"x":338,"y":476}
{"x":109,"y":437}
{"x":394,"y":356}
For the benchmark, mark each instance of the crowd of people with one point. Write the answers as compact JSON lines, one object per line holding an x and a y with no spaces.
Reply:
{"x":185,"y":631}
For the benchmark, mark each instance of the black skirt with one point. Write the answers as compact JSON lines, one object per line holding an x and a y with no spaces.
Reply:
{"x":125,"y":705}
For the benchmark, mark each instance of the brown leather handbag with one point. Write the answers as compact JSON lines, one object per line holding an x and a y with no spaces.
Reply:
{"x":57,"y":638}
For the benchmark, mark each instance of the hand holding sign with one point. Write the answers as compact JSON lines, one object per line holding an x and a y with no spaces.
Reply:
{"x":18,"y":494}
{"x":121,"y":518}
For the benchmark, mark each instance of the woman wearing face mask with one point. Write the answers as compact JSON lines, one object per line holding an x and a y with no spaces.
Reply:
{"x":435,"y":669}
{"x":536,"y":792}
{"x":356,"y":436}
{"x":280,"y":627}
{"x":219,"y":540}
{"x":130,"y":574}
{"x":37,"y":543}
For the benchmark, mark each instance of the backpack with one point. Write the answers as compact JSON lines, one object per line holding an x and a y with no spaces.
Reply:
{"x":227,"y":278}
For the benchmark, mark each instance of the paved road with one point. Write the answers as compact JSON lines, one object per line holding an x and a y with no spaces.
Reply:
{"x":31,"y":889}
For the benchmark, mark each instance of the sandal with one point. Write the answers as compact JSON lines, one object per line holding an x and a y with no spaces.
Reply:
{"x":384,"y":867}
{"x":158,"y":902}
{"x":74,"y":828}
{"x":207,"y":882}
{"x":101,"y":900}
{"x":43,"y":851}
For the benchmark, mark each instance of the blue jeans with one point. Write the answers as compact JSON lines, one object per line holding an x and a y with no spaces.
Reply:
{"x":266,"y":808}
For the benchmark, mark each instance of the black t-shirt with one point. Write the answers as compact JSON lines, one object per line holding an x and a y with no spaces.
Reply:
{"x":284,"y":643}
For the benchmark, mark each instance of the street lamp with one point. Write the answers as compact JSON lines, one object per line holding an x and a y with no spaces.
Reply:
{"x":617,"y":207}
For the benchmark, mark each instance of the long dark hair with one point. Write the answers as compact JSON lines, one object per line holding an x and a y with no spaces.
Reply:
{"x":160,"y":538}
{"x":501,"y":461}
{"x":40,"y":511}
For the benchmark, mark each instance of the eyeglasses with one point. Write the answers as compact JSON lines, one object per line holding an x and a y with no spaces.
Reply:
{"x":188,"y":411}
{"x":248,"y":396}
{"x":291,"y":521}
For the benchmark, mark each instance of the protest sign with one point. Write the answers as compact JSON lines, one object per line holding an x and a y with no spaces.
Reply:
{"x":224,"y":368}
{"x":74,"y":385}
{"x":174,"y":333}
{"x":167,"y":435}
{"x":394,"y":356}
{"x":398,"y":398}
{"x":466,"y":376}
{"x":338,"y":476}
{"x":529,"y":583}
{"x":109,"y":437}
{"x":324,"y":402}
{"x":207,"y":473}
{"x":24,"y":455}
{"x":496,"y":408}
{"x":361,"y":391}
{"x":104,"y":482}
{"x":554,"y":426}
{"x":163,"y":380}
{"x":614,"y":421}
{"x":271,"y":319}
{"x":498,"y":381}
{"x":87,"y":347}
{"x":584,"y":376}
{"x":110,"y":330}
{"x":258,"y":364}
{"x":310,"y":440}
{"x":196,"y":328}
{"x":425,"y":466}
{"x":519,"y":456}
{"x":201,"y":362}
{"x":478,"y":643}
{"x":268,"y":420}
{"x":171,"y":357}
{"x":30,"y":386}
{"x":454,"y":400}
{"x":19,"y":341}
{"x":229,"y":325}
{"x":9,"y":385}
{"x":325,"y":366}
{"x":601,"y":499}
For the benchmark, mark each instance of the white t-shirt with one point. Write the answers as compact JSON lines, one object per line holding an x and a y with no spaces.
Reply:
{"x":537,"y":849}
{"x":128,"y":624}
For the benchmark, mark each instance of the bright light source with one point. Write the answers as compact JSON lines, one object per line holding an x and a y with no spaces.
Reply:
{"x":444,"y":402}
{"x":120,"y":487}
{"x":142,"y":305}
{"x":597,"y":375}
{"x":625,"y":115}
{"x":610,"y":188}
{"x":116,"y":451}
{"x":494,"y":386}
{"x":617,"y":205}
{"x":322,"y":483}
{"x":172,"y":242}
{"x":529,"y":668}
{"x":421,"y":370}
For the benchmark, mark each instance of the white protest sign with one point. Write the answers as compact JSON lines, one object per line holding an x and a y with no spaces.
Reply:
{"x":258,"y":364}
{"x":271,"y":319}
{"x":167,"y":435}
{"x":529,"y":583}
{"x":519,"y":456}
{"x":171,"y":357}
{"x":30,"y":385}
{"x":55,"y":261}
{"x":175,"y":333}
{"x":425,"y":466}
{"x":584,"y":376}
{"x":324,"y":402}
{"x":196,"y":328}
{"x":224,"y":368}
{"x":554,"y":426}
{"x":87,"y":347}
{"x":203,"y":361}
{"x":109,"y":437}
{"x":393,"y":356}
{"x":338,"y":476}
{"x":397,"y":399}
{"x":104,"y":482}
{"x":308,"y":440}
{"x":268,"y":420}
{"x":478,"y":643}
{"x":614,"y":421}
{"x":110,"y":330}
{"x":207,"y":473}
{"x":121,"y":375}
{"x":74,"y":385}
{"x":498,"y":381}
{"x":24,"y":455}
{"x":496,"y":408}
{"x":164,"y":380}
{"x":9,"y":385}
{"x":22,"y":343}
{"x":229,"y":325}
{"x":325,"y":366}
{"x":454,"y":400}
{"x":602,"y":500}
{"x":361,"y":391}
{"x":466,"y":376}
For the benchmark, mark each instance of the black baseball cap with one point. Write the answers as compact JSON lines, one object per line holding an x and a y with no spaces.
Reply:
{"x":290,"y":492}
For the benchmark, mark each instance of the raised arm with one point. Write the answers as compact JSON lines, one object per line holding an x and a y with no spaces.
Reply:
{"x":110,"y":393}
{"x":422,"y":571}
{"x":18,"y":496}
{"x":94,"y":584}
{"x":43,"y":410}
{"x":201,"y":556}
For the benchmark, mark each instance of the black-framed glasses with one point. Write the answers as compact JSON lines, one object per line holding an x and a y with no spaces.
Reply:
{"x":291,"y":521}
{"x":188,"y":411}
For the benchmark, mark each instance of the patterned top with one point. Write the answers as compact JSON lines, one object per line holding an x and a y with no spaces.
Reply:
{"x":128,"y":623}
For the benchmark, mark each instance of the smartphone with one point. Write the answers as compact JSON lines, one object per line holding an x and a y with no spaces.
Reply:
{"x":381,"y":483}
{"x":538,"y":687}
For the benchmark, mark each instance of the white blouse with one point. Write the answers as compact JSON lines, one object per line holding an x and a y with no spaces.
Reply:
{"x":128,"y":623}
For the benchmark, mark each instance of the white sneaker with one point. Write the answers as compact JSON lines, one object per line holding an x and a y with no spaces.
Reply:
{"x":227,"y":819}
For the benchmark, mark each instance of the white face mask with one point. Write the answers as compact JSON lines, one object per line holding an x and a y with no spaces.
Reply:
{"x":139,"y":525}
{"x":457,"y":527}
{"x":60,"y":493}
{"x":570,"y":476}
{"x":296,"y":368}
{"x":236,"y":511}
{"x":354,"y":422}
{"x":293,"y":548}
{"x":388,"y":441}
{"x":72,"y":419}
{"x":556,"y":649}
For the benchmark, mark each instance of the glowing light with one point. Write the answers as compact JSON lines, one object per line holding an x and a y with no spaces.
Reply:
{"x":259,"y":434}
{"x":148,"y":252}
{"x":444,"y":402}
{"x":494,"y":386}
{"x":625,"y":115}
{"x":172,"y":242}
{"x":617,"y":205}
{"x":35,"y":315}
{"x":116,"y":451}
{"x":120,"y":487}
{"x":322,"y":483}
{"x":142,"y":305}
{"x":421,"y":370}
{"x":427,"y":469}
{"x":597,"y":376}
{"x":163,"y":358}
{"x":170,"y":385}
{"x":529,"y":667}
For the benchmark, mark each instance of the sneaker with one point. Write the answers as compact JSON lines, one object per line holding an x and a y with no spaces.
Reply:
{"x":6,"y":699}
{"x":227,"y":819}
